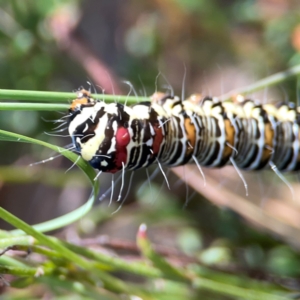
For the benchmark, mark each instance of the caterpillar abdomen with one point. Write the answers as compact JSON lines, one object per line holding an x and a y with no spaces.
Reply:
{"x":172,"y":132}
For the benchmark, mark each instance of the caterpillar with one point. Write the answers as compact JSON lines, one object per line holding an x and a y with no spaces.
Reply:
{"x":172,"y":132}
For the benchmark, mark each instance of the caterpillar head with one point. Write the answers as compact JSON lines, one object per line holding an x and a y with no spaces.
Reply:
{"x":99,"y":132}
{"x":83,"y":99}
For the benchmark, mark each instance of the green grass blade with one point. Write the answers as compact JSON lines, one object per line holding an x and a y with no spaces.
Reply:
{"x":83,"y":165}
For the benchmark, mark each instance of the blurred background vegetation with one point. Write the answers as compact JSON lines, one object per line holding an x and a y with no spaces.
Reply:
{"x":221,"y":45}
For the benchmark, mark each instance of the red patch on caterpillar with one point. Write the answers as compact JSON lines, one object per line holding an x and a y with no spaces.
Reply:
{"x":157,"y":140}
{"x":122,"y":140}
{"x":122,"y":137}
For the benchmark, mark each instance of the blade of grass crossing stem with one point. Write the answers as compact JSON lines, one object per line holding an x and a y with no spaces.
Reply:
{"x":83,"y":165}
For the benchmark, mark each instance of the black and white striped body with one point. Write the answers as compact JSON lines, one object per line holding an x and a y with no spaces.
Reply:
{"x":174,"y":132}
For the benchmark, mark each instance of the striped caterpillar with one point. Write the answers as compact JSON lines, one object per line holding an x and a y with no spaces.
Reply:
{"x":172,"y":132}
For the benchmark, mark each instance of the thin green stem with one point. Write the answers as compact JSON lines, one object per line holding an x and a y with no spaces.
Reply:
{"x":33,"y":106}
{"x":109,"y":281}
{"x":12,"y":262}
{"x":234,"y":291}
{"x":116,"y":263}
{"x":171,"y":272}
{"x":36,"y":249}
{"x":23,"y":271}
{"x":199,"y":281}
{"x":43,"y":239}
{"x":76,"y":288}
{"x":26,"y":242}
{"x":16,"y":240}
{"x":263,"y":83}
{"x":37,"y":96}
